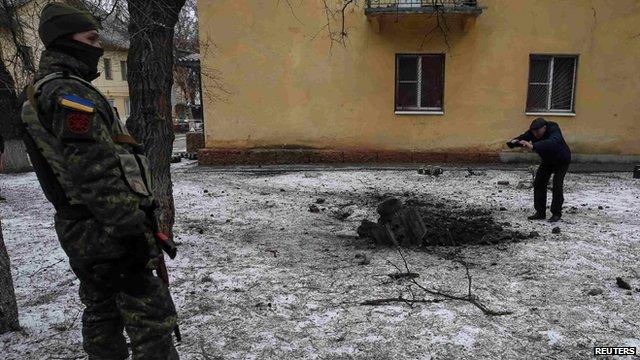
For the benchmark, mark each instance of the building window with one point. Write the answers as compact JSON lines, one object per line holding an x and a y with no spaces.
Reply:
{"x":123,"y":70}
{"x":127,"y":107}
{"x":408,"y":3}
{"x":107,"y":69}
{"x":552,"y":81}
{"x":419,"y":83}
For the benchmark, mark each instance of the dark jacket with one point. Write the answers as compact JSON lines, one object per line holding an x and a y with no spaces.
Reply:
{"x":551,"y":147}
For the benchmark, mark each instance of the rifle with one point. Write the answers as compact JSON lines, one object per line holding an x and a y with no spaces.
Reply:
{"x":169,"y":247}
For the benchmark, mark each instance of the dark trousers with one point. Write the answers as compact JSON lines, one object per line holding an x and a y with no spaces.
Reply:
{"x":540,"y":187}
{"x":148,"y":317}
{"x":144,"y":309}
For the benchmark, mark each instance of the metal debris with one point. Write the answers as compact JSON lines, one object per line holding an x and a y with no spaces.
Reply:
{"x":431,"y":170}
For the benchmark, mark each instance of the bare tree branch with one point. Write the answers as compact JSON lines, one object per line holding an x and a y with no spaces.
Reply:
{"x":337,"y":36}
{"x":440,"y":295}
{"x":293,"y":13}
{"x":339,"y":14}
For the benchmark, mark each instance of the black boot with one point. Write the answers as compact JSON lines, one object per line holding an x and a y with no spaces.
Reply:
{"x":537,"y":216}
{"x":554,"y":218}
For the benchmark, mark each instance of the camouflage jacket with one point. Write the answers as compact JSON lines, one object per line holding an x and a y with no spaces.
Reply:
{"x":96,"y":163}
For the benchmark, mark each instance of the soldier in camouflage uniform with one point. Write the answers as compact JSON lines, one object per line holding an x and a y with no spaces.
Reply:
{"x":95,"y":175}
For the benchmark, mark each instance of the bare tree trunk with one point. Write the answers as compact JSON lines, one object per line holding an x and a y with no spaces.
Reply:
{"x":8,"y":307}
{"x":15,"y":158}
{"x":150,"y":78}
{"x":15,"y":155}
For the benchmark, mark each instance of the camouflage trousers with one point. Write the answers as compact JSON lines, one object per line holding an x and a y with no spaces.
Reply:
{"x":144,"y":309}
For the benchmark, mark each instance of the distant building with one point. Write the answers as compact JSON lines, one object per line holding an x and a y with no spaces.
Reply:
{"x":113,"y":66}
{"x":186,"y":94}
{"x":402,"y":89}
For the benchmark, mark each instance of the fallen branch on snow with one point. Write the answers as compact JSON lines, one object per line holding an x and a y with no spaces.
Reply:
{"x":470,"y":297}
{"x":400,"y":299}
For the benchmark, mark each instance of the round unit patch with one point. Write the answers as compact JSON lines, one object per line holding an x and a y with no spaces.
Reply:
{"x":78,"y":123}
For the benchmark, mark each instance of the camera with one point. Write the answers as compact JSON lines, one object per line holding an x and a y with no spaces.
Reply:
{"x":513,"y":145}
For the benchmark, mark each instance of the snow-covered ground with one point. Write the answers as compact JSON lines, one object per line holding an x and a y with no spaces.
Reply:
{"x":260,"y":277}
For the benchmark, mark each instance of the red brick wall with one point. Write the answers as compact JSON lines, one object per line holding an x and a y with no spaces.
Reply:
{"x":288,"y":156}
{"x":195,"y":141}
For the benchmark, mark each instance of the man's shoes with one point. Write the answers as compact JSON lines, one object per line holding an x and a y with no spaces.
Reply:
{"x":537,"y":216}
{"x":554,"y":218}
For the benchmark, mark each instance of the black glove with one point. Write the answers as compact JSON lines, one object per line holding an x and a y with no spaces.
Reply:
{"x":142,"y":251}
{"x":127,"y":274}
{"x":117,"y":274}
{"x":145,"y":251}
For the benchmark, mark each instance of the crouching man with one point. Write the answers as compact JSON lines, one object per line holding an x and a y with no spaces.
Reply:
{"x":545,"y":138}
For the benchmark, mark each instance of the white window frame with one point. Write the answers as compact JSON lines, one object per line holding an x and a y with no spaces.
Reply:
{"x":549,"y":110}
{"x":419,"y":110}
{"x":409,"y":3}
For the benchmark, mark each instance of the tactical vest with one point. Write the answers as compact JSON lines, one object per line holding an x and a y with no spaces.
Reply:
{"x":133,"y":164}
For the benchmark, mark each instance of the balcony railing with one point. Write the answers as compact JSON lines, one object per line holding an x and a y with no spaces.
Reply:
{"x":469,"y":7}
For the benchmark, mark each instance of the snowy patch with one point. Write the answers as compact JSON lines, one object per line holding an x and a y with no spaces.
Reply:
{"x":258,"y":276}
{"x":554,"y":337}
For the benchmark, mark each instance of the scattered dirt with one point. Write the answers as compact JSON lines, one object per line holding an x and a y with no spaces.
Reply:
{"x":622,"y":283}
{"x":594,"y":292}
{"x":451,"y":226}
{"x":431,"y":170}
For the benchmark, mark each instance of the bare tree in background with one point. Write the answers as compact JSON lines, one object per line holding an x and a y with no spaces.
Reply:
{"x":189,"y":74}
{"x":150,"y":77}
{"x":8,"y":307}
{"x":337,"y":28}
{"x":16,"y":70}
{"x":186,"y":41}
{"x":14,"y":156}
{"x":336,"y":12}
{"x":21,"y":63}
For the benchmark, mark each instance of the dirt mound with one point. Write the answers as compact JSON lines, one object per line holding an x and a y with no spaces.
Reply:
{"x":451,"y":225}
{"x":446,"y":224}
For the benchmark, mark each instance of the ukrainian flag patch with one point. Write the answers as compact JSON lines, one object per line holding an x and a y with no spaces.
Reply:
{"x":77,"y":103}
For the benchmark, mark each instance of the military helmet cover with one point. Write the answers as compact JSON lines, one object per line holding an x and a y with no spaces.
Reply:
{"x":58,"y":20}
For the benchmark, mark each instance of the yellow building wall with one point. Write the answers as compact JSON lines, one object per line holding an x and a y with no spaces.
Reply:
{"x":117,"y":88}
{"x":283,"y":87}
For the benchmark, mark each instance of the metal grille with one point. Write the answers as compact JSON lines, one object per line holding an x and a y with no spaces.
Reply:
{"x":419,"y":82}
{"x":551,"y":83}
{"x":420,"y":3}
